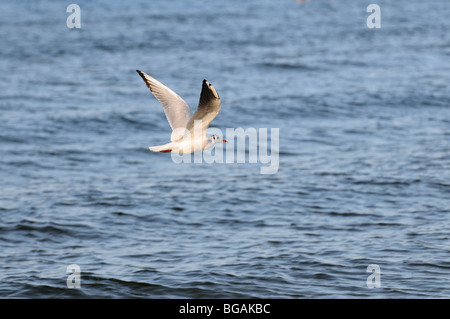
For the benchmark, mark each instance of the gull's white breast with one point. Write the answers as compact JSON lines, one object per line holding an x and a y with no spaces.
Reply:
{"x":189,"y":145}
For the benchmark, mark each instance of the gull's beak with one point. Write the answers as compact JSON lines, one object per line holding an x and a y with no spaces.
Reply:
{"x":224,"y":141}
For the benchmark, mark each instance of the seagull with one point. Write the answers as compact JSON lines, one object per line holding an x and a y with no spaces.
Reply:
{"x":188,"y":135}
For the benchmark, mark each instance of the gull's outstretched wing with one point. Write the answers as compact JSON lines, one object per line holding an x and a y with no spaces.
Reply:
{"x":208,"y":108}
{"x":176,"y":109}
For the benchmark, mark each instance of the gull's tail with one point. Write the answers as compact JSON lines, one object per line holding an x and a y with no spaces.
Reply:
{"x":162,"y":148}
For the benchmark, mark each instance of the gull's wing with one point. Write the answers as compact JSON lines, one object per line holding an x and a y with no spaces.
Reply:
{"x":208,"y":108}
{"x":176,"y":109}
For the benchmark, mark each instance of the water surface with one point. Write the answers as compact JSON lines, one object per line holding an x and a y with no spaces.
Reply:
{"x":364,"y":175}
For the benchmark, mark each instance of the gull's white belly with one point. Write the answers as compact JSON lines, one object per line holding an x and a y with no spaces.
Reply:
{"x":189,"y":146}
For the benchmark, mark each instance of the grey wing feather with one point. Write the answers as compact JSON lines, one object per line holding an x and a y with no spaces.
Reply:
{"x":176,"y":109}
{"x":208,"y":108}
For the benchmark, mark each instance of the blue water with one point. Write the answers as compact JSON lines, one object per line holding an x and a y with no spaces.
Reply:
{"x":364,"y":172}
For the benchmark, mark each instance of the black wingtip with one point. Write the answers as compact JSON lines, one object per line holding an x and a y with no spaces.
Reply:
{"x":142,"y":75}
{"x":206,"y":83}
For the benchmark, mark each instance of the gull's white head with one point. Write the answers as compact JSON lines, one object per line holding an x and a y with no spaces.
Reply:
{"x":215,"y":139}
